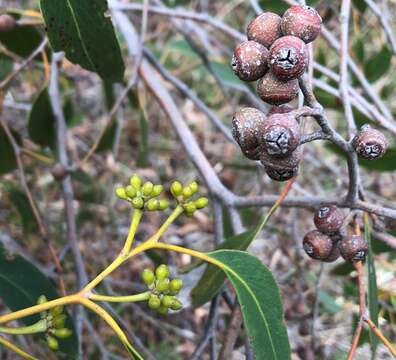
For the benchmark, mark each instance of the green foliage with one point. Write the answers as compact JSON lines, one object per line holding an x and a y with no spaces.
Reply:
{"x":21,"y":284}
{"x":41,"y":125}
{"x":260,"y":302}
{"x":213,"y":278}
{"x":378,"y":65}
{"x":22,"y":40}
{"x":5,"y":66}
{"x":84,"y":31}
{"x":21,"y":203}
{"x":8,"y":160}
{"x":372,"y":290}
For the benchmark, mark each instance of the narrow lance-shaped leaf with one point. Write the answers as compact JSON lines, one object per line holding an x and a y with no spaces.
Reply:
{"x":83,"y":30}
{"x":260,"y":302}
{"x":372,"y":296}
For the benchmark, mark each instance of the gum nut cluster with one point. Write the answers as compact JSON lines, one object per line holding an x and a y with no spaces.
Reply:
{"x":276,"y":55}
{"x":53,"y":322}
{"x":369,"y":144}
{"x":163,"y":290}
{"x":142,"y":196}
{"x":329,"y":240}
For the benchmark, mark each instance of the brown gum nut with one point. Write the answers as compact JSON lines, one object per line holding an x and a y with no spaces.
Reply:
{"x":317,"y":245}
{"x":369,"y":143}
{"x":250,"y":61}
{"x":265,"y":29}
{"x":353,"y":248}
{"x":280,"y":135}
{"x":303,"y":22}
{"x":7,"y":23}
{"x":276,"y":92}
{"x":329,"y":219}
{"x":334,"y":254}
{"x":289,"y":162}
{"x":281,"y":109}
{"x":288,"y":58}
{"x":278,"y":174}
{"x":246,"y":127}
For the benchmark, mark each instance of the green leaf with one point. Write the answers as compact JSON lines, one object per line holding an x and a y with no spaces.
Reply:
{"x":85,"y":33}
{"x":328,"y":302}
{"x":22,"y":40}
{"x":358,"y":49}
{"x":378,"y":65}
{"x":8,"y":160}
{"x":260,"y":302}
{"x":41,"y":123}
{"x":372,"y":295}
{"x":276,"y":6}
{"x":5,"y":66}
{"x":21,"y":283}
{"x":360,"y":5}
{"x":21,"y":203}
{"x":224,"y":72}
{"x":213,"y":278}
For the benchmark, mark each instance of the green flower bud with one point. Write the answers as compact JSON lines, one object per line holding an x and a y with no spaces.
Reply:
{"x":162,"y":285}
{"x":190,"y":208}
{"x":167,"y":301}
{"x":136,"y":182}
{"x":175,"y":285}
{"x":41,"y":300}
{"x":162,"y":272}
{"x":58,"y":322}
{"x":154,"y":302}
{"x":137,"y":203}
{"x":148,"y":276}
{"x":57,"y":310}
{"x":157,"y":190}
{"x":130,"y":191}
{"x":162,"y":310}
{"x":187,"y":192}
{"x":147,"y":188}
{"x":163,"y":204}
{"x":176,"y":305}
{"x":201,"y":202}
{"x":52,"y":343}
{"x":193,"y":187}
{"x":152,"y":205}
{"x":63,"y":333}
{"x":121,"y":193}
{"x":176,"y":188}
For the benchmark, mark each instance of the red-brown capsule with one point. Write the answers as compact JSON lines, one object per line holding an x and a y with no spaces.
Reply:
{"x":353,"y":248}
{"x":250,"y":61}
{"x":246,"y":128}
{"x":370,"y":144}
{"x":329,"y":219}
{"x":7,"y":23}
{"x":280,"y":135}
{"x":276,"y":92}
{"x":281,"y":109}
{"x":279,"y":174}
{"x":334,"y":254}
{"x":288,"y":58}
{"x":265,"y":29}
{"x":317,"y":245}
{"x":303,"y":22}
{"x":282,"y":169}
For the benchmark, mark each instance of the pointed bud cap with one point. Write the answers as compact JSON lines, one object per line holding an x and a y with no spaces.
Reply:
{"x":136,"y":182}
{"x":201,"y":203}
{"x":176,"y":188}
{"x":148,"y":276}
{"x":162,"y":272}
{"x":130,"y":191}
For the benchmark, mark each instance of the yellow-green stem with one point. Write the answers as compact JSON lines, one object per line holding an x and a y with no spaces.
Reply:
{"x":172,"y":217}
{"x":130,"y":298}
{"x":71,"y":299}
{"x":136,"y":217}
{"x":16,"y":349}
{"x":38,"y":327}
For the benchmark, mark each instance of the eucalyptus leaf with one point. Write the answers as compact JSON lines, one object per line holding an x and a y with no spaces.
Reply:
{"x":260,"y":302}
{"x":83,"y":30}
